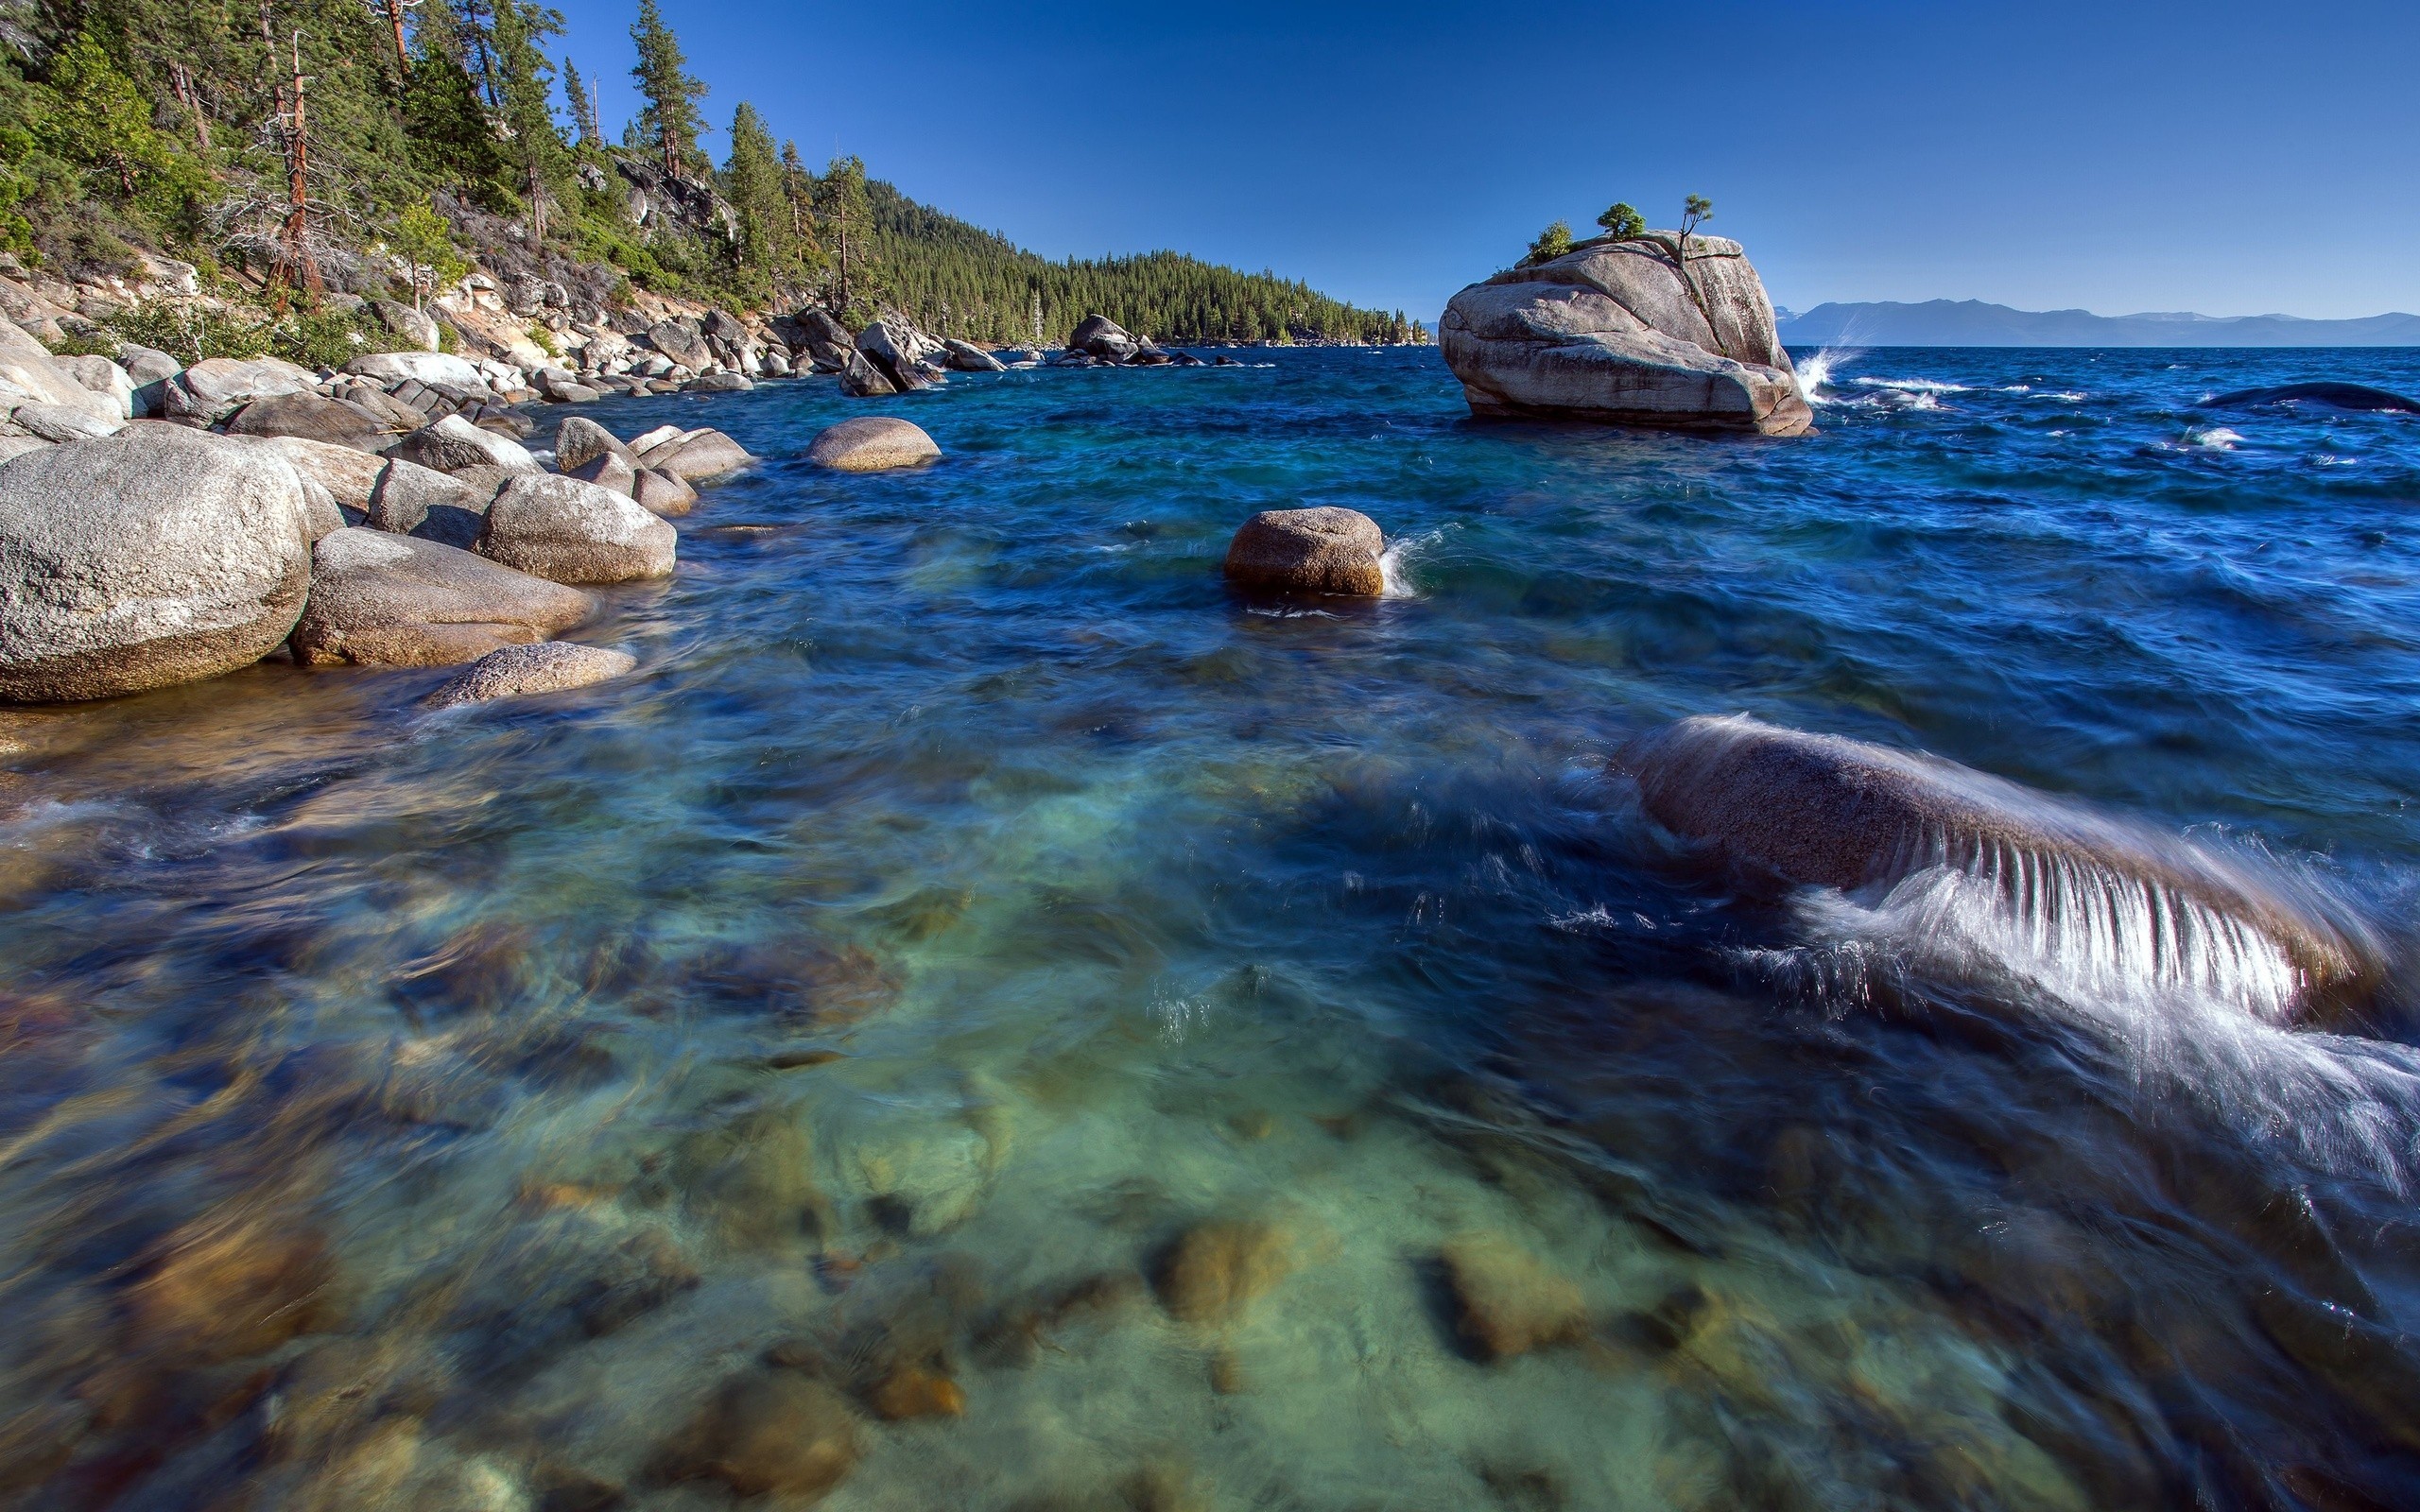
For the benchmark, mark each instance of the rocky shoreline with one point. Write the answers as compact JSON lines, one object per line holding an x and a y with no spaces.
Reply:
{"x":163,"y":522}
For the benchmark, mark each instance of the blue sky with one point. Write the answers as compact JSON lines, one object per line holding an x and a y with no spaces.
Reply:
{"x":2228,"y":158}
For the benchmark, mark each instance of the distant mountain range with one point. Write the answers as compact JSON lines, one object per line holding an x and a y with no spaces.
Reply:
{"x":1973,"y":323}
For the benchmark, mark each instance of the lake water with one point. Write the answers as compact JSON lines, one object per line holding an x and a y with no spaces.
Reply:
{"x":1101,"y":1035}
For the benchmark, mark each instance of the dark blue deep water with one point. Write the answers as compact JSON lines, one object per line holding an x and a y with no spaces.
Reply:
{"x":980,"y":963}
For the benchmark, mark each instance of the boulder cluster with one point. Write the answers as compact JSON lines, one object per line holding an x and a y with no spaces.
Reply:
{"x":161,"y":524}
{"x":1101,"y":342}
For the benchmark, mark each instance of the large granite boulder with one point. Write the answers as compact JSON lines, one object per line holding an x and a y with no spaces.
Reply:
{"x":873,"y":443}
{"x":211,"y":390}
{"x":691,"y":456}
{"x":900,"y":351}
{"x":63,"y":422}
{"x":1105,"y":338}
{"x":420,"y":367}
{"x":681,"y":341}
{"x":1325,"y":550}
{"x":347,"y":474}
{"x":570,"y":531}
{"x":455,"y":445}
{"x":517,"y":671}
{"x":29,"y":374}
{"x":581,"y":439}
{"x":313,"y":417}
{"x":154,"y":557}
{"x":450,"y":509}
{"x":819,"y":335}
{"x":861,"y":379}
{"x":103,"y":376}
{"x":385,"y":600}
{"x":1613,"y":332}
{"x":965,"y":356}
{"x":1801,"y":810}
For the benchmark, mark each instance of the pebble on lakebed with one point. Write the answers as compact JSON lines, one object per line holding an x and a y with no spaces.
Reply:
{"x":768,"y":1433}
{"x":1506,"y":1300}
{"x":1215,"y":1271}
{"x":873,"y":443}
{"x":1324,"y":550}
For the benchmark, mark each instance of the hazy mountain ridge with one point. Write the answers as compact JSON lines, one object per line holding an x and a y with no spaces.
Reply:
{"x":1975,"y":324}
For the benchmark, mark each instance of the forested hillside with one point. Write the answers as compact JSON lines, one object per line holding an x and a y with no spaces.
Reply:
{"x":295,"y":150}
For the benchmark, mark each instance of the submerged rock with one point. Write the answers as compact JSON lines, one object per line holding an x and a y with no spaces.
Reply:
{"x":1507,"y":1302}
{"x":873,"y":443}
{"x":769,"y":1432}
{"x":913,"y":1391}
{"x":151,"y":558}
{"x":1326,"y":550}
{"x":2334,"y":395}
{"x":226,"y":1291}
{"x":550,"y":666}
{"x":1215,"y":1271}
{"x":1616,"y":330}
{"x":1823,"y":811}
{"x":385,"y":600}
{"x":568,"y":531}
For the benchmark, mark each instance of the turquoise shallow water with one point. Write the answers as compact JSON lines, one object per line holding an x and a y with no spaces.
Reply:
{"x":977,"y":948}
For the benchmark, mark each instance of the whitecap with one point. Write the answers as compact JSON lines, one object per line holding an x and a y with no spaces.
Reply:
{"x":1913,"y":386}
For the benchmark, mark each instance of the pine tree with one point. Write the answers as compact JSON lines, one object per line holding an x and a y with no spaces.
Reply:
{"x":752,"y":181}
{"x":102,"y":121}
{"x":525,"y":80}
{"x":584,"y":106}
{"x":671,"y":117}
{"x":845,"y":214}
{"x":442,"y":115}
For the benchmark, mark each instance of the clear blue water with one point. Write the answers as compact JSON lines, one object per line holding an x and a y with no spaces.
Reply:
{"x":970,"y":896}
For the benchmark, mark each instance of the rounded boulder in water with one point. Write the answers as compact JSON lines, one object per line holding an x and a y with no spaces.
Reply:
{"x":1823,"y":811}
{"x":873,"y":443}
{"x":155,"y":556}
{"x":516,"y":671}
{"x":1325,"y":550}
{"x":570,"y":531}
{"x":379,"y":599}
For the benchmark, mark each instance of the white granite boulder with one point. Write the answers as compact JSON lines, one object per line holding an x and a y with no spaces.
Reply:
{"x":385,"y":600}
{"x":151,"y":558}
{"x":570,"y":531}
{"x":1615,"y":331}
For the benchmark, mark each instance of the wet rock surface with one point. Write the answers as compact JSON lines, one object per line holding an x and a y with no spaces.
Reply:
{"x":1324,"y":550}
{"x":519,"y":671}
{"x":874,"y":443}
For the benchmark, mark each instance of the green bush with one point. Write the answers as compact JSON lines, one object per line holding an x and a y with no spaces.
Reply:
{"x":1552,"y":243}
{"x":192,"y":332}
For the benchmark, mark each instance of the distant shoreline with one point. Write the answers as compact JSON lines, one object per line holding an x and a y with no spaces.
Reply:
{"x":1974,"y":324}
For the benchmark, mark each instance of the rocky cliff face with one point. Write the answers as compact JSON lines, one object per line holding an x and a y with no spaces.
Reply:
{"x":1617,"y":332}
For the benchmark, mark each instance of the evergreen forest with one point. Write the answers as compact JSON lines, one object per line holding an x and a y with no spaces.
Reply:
{"x":289,"y":148}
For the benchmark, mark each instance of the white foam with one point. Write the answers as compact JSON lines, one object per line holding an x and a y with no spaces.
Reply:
{"x":2191,"y":1004}
{"x":1913,"y":386}
{"x":1394,"y":562}
{"x":2216,"y":438}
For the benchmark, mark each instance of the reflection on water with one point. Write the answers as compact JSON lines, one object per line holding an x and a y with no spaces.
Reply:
{"x":983,"y":1018}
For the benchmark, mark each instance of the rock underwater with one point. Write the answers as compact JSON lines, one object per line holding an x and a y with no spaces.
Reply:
{"x":1615,"y":331}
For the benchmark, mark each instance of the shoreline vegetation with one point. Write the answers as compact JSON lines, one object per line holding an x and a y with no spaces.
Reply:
{"x":328,"y":180}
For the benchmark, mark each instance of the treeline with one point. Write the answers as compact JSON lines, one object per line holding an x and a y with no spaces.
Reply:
{"x":959,"y":280}
{"x":302,"y":146}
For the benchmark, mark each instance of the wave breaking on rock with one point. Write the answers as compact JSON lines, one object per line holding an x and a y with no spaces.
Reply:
{"x":2045,"y":883}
